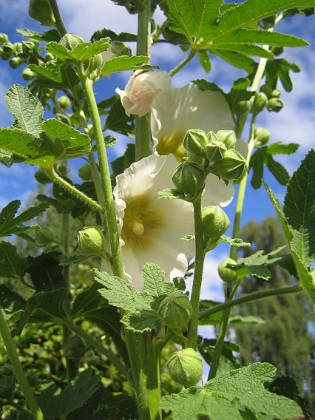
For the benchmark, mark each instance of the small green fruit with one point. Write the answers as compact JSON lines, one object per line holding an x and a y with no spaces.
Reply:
{"x":215,"y":222}
{"x":185,"y":367}
{"x":274,"y":104}
{"x":260,"y":102}
{"x":28,"y":74}
{"x":3,"y":38}
{"x":227,"y":137}
{"x":227,"y":274}
{"x":84,"y":172}
{"x":175,"y":311}
{"x":195,"y":142}
{"x":230,"y":167}
{"x":64,"y":102}
{"x":261,"y":136}
{"x":42,"y":177}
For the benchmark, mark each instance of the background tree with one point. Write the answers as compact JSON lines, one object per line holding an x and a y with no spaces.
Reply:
{"x":287,"y":338}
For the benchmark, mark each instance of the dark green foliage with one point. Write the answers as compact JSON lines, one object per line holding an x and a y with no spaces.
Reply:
{"x":284,"y":340}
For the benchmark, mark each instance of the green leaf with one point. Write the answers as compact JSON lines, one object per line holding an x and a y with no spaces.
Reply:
{"x":11,"y":301}
{"x":280,"y":69}
{"x":58,"y":403}
{"x":11,"y":264}
{"x":283,"y":149}
{"x":10,"y":225}
{"x":250,"y":319}
{"x":26,"y":147}
{"x":68,"y":142}
{"x":59,"y":51}
{"x":299,"y":209}
{"x":89,"y":49}
{"x":251,"y":36}
{"x":204,"y":60}
{"x":124,"y":161}
{"x":123,"y":63}
{"x":234,"y":241}
{"x":50,"y":71}
{"x":226,"y":396}
{"x":256,"y":264}
{"x":257,"y":164}
{"x":277,"y":170}
{"x":118,"y":121}
{"x":244,"y":49}
{"x":193,"y":19}
{"x":238,"y":60}
{"x":26,"y":109}
{"x":46,"y":273}
{"x":51,"y":35}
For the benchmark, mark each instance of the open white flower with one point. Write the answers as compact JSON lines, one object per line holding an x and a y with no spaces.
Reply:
{"x":176,"y":110}
{"x":140,"y":90}
{"x":152,"y":229}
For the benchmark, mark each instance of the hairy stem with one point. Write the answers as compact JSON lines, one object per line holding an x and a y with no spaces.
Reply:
{"x":18,"y":370}
{"x":59,"y":22}
{"x":72,"y":190}
{"x":248,"y":298}
{"x":199,"y":263}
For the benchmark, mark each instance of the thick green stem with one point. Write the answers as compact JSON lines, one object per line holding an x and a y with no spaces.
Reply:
{"x":183,"y":63}
{"x":152,"y":353}
{"x":59,"y":22}
{"x":196,"y":288}
{"x":142,"y":124}
{"x":110,"y":212}
{"x":248,"y":298}
{"x":72,"y":190}
{"x":17,"y":368}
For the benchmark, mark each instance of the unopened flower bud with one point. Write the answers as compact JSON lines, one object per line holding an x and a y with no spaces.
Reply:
{"x":266,"y":89}
{"x":3,"y":38}
{"x":242,"y":107}
{"x":215,"y":148}
{"x":274,"y":104}
{"x":227,"y":274}
{"x":230,"y":167}
{"x":215,"y":222}
{"x":74,"y":347}
{"x":185,"y":367}
{"x":195,"y":142}
{"x":15,"y":62}
{"x":91,"y":240}
{"x":227,"y":137}
{"x":41,"y":11}
{"x":70,"y":41}
{"x":175,"y":311}
{"x":64,"y":102}
{"x":42,"y":177}
{"x":84,"y":172}
{"x":7,"y":50}
{"x":276,"y":93}
{"x":188,"y":178}
{"x":260,"y":102}
{"x":261,"y":136}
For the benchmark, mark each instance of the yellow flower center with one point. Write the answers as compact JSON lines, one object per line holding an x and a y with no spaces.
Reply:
{"x":143,"y":217}
{"x":172,"y":143}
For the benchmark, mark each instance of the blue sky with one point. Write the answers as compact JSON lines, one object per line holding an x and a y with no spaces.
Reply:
{"x":295,"y":123}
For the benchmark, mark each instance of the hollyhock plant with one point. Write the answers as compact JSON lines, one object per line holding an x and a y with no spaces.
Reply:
{"x":141,"y":89}
{"x":176,"y":110}
{"x":151,"y":228}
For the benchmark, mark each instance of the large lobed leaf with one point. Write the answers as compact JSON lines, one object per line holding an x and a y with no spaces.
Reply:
{"x":229,"y":394}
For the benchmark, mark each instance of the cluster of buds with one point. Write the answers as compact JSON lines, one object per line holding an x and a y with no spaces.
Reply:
{"x":271,"y":98}
{"x":19,"y":53}
{"x":207,"y":153}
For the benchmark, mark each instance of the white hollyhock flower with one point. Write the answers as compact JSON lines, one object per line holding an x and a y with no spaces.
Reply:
{"x":176,"y":110}
{"x":152,"y":229}
{"x":140,"y":90}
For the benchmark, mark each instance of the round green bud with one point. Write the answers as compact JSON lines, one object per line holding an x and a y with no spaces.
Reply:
{"x":85,"y":173}
{"x":70,"y":41}
{"x":42,"y":177}
{"x":215,"y":223}
{"x":185,"y":367}
{"x":91,"y":240}
{"x":61,"y":168}
{"x":18,"y":48}
{"x":3,"y":38}
{"x":276,"y":93}
{"x":242,"y":107}
{"x":195,"y":142}
{"x":15,"y":62}
{"x":261,"y":136}
{"x":260,"y":102}
{"x":215,"y":148}
{"x":266,"y":89}
{"x":188,"y":178}
{"x":274,"y":104}
{"x":94,"y":66}
{"x":227,"y":137}
{"x":64,"y":102}
{"x":74,"y":347}
{"x":7,"y":50}
{"x":28,"y":74}
{"x":277,"y":51}
{"x":175,"y":311}
{"x":41,"y":11}
{"x":227,"y":274}
{"x":230,"y":167}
